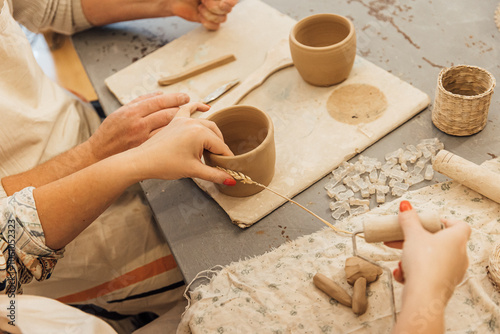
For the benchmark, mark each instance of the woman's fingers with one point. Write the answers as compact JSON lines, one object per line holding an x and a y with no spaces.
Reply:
{"x":460,"y":229}
{"x":213,"y":174}
{"x":394,"y":244}
{"x":188,"y":109}
{"x":212,"y":142}
{"x":409,"y":221}
{"x":161,"y":118}
{"x":399,"y":274}
{"x":212,"y":126}
{"x":215,"y":144}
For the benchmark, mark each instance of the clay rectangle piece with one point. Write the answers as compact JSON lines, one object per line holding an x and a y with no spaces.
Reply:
{"x":189,"y":73}
{"x":309,"y":142}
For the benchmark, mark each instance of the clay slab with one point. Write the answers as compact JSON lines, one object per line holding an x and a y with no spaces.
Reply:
{"x":309,"y":142}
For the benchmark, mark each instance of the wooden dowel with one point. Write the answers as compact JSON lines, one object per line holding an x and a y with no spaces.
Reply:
{"x":467,"y":173}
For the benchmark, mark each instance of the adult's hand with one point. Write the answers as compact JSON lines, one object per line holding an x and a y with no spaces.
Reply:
{"x":210,"y":13}
{"x":176,"y":151}
{"x":68,"y":205}
{"x":135,"y":122}
{"x":432,"y":266}
{"x":440,"y":259}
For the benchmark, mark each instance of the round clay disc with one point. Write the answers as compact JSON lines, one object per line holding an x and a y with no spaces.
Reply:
{"x":356,"y":103}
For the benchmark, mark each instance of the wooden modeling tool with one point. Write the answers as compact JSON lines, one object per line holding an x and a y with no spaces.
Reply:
{"x":277,"y":58}
{"x":209,"y":65}
{"x":469,"y":174}
{"x":387,"y":228}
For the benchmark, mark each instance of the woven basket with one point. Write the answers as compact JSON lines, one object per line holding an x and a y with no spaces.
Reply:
{"x":462,"y":100}
{"x":493,"y":268}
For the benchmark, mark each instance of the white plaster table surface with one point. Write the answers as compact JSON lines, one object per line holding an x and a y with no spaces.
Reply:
{"x":411,"y":39}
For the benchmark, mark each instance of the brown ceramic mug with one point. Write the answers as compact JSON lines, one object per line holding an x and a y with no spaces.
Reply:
{"x":249,"y":133}
{"x":323,"y":48}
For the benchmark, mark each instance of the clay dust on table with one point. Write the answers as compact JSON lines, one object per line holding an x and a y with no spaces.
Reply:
{"x":356,"y":103}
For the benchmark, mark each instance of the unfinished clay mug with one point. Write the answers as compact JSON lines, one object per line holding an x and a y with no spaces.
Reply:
{"x":249,"y":133}
{"x":323,"y":48}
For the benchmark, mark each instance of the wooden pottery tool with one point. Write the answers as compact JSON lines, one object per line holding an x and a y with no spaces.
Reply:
{"x":469,"y":174}
{"x":207,"y":66}
{"x":387,"y":228}
{"x":277,"y":58}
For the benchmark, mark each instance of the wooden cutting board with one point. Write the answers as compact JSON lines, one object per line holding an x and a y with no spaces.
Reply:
{"x":309,"y":141}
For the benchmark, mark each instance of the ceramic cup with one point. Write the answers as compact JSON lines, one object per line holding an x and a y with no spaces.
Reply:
{"x":323,"y":48}
{"x":249,"y":133}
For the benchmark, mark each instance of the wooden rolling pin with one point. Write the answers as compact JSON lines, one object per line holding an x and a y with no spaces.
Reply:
{"x":209,"y":65}
{"x":469,"y":174}
{"x":387,"y":228}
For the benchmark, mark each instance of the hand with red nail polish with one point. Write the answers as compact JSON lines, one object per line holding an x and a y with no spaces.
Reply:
{"x":432,"y":266}
{"x":229,"y":182}
{"x":176,"y":150}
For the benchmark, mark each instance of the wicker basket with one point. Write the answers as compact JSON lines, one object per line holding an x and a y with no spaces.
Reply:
{"x":493,"y":268}
{"x":463,"y":96}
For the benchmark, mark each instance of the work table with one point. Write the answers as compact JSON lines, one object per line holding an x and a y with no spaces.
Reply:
{"x":411,"y":39}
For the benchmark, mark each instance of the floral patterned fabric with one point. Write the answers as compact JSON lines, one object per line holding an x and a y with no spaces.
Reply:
{"x":274,"y":293}
{"x":22,"y":243}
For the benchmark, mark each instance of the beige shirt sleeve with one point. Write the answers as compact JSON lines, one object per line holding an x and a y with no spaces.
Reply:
{"x":63,"y":16}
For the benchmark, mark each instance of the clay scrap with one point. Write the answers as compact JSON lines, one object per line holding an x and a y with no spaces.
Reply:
{"x":332,"y":289}
{"x":359,"y":274}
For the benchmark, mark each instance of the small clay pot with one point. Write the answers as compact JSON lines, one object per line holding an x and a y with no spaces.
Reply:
{"x":323,"y":48}
{"x":249,"y":133}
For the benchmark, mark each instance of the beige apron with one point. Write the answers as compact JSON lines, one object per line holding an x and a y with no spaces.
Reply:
{"x":120,"y":255}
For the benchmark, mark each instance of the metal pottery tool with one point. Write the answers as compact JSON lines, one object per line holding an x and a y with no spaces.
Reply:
{"x":378,"y":229}
{"x":220,"y":91}
{"x":209,"y":65}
